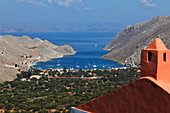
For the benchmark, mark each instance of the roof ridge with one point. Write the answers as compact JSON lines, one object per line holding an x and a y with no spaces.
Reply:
{"x":162,"y":84}
{"x":157,"y":44}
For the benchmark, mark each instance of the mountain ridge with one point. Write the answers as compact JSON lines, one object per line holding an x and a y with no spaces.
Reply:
{"x":126,"y":46}
{"x":19,"y":53}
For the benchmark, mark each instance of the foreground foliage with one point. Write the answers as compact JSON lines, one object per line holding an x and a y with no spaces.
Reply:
{"x":58,"y":95}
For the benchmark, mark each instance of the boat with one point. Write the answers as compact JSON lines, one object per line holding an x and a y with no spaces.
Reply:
{"x":58,"y":63}
{"x":77,"y":65}
{"x":94,"y":65}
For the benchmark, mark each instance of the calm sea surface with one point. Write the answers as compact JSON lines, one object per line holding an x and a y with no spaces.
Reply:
{"x":89,"y":47}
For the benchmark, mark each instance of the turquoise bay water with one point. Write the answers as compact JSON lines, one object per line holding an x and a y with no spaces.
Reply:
{"x":89,"y":47}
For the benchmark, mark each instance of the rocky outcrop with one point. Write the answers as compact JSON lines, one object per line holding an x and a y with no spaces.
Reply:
{"x":127,"y":44}
{"x":19,"y":53}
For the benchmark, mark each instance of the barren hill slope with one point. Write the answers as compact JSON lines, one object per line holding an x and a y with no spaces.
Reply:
{"x":19,"y":53}
{"x":127,"y":44}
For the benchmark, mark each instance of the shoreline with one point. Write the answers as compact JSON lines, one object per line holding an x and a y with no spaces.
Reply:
{"x":83,"y":67}
{"x":48,"y":59}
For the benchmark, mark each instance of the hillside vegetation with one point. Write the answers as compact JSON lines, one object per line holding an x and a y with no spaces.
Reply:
{"x":59,"y":95}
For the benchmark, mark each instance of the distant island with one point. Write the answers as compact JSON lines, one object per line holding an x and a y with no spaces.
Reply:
{"x":19,"y":53}
{"x":62,"y":27}
{"x":127,"y":44}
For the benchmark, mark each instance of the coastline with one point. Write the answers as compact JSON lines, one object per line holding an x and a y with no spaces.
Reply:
{"x":19,"y":53}
{"x":48,"y":59}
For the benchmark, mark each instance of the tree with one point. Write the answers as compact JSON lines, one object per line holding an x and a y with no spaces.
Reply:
{"x":65,"y":69}
{"x":43,"y":111}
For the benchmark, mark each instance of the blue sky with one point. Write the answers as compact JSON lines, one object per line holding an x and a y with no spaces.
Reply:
{"x":53,"y":12}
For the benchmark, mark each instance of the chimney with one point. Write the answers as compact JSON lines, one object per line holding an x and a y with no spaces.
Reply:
{"x":155,"y":61}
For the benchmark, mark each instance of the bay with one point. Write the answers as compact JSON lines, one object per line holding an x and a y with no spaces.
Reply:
{"x":89,"y":47}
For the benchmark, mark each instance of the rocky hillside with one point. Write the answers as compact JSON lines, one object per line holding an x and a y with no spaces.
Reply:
{"x":19,"y":53}
{"x":127,"y":44}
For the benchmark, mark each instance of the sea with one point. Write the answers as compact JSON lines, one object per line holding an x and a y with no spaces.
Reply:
{"x":89,"y":47}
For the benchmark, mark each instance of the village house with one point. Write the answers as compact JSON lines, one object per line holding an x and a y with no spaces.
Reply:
{"x":35,"y":76}
{"x":149,"y":94}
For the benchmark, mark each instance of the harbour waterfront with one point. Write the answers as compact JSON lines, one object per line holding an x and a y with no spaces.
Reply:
{"x":89,"y":47}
